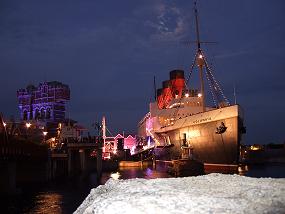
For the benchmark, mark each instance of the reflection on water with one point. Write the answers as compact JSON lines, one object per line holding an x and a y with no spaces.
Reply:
{"x":58,"y":197}
{"x":242,"y":170}
{"x":66,"y":196}
{"x":136,"y":172}
{"x":115,"y":176}
{"x":48,"y":201}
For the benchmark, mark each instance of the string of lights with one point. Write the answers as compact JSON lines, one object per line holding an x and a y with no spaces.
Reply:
{"x":211,"y":90}
{"x":216,"y":84}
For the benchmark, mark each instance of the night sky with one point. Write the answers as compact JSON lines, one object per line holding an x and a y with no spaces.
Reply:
{"x":109,"y":51}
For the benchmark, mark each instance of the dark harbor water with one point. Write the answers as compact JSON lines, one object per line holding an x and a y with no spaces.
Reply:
{"x":66,"y":195}
{"x":273,"y":170}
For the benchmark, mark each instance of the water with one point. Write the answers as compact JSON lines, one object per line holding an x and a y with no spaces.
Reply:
{"x":128,"y":173}
{"x":66,"y":195}
{"x":274,"y":170}
{"x":58,"y":197}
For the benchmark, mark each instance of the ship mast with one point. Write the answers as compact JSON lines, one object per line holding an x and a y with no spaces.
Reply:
{"x":200,"y":59}
{"x":197,"y":26}
{"x":104,"y":129}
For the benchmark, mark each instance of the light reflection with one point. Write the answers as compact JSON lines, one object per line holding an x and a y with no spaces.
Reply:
{"x":242,"y":170}
{"x":49,"y":202}
{"x":149,"y":172}
{"x":115,"y":176}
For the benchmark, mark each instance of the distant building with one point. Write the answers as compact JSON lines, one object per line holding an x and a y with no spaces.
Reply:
{"x":71,"y":131}
{"x":112,"y":145}
{"x":44,"y":106}
{"x":44,"y":103}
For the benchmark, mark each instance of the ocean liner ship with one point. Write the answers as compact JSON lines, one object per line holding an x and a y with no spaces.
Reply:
{"x":179,"y":118}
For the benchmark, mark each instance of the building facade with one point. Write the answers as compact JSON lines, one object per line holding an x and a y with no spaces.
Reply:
{"x":45,"y":103}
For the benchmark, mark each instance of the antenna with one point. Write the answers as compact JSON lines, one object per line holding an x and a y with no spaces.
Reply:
{"x":200,"y":59}
{"x":104,"y":128}
{"x":235,"y":98}
{"x":198,"y":41}
{"x":154,"y":88}
{"x":197,"y":25}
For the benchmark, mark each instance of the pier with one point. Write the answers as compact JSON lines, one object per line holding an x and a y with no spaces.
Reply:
{"x":23,"y":162}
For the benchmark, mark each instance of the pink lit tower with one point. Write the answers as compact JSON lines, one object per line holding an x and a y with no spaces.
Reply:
{"x":44,"y":103}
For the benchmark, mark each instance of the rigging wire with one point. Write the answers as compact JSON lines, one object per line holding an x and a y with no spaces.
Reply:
{"x":211,"y":90}
{"x":215,"y":89}
{"x":109,"y":132}
{"x":216,"y":85}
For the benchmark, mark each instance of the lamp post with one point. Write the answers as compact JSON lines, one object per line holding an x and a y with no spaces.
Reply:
{"x":45,"y":133}
{"x":28,"y":125}
{"x":5,"y":130}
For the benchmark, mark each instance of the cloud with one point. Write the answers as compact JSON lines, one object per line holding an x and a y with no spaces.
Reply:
{"x":166,"y":21}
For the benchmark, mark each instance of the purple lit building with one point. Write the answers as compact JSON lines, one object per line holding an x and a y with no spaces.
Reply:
{"x":45,"y":103}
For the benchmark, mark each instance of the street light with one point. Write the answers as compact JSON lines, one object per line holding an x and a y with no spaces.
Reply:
{"x":5,"y":130}
{"x":52,"y":142}
{"x":28,"y":125}
{"x":45,"y":133}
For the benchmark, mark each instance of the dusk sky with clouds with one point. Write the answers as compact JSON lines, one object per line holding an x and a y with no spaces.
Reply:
{"x":109,"y":51}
